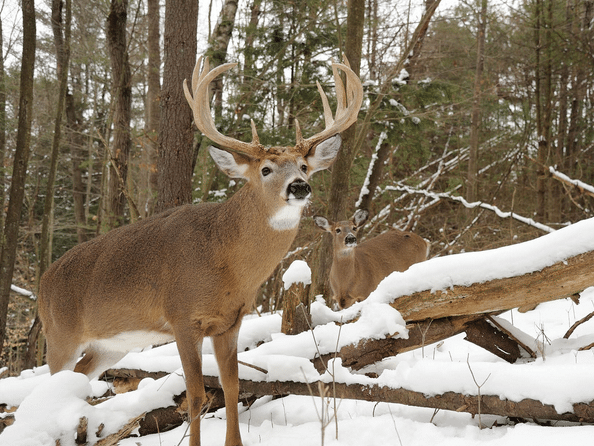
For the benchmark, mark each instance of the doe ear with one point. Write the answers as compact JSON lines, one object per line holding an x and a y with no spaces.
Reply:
{"x":322,"y":156}
{"x":235,"y":165}
{"x":360,"y":217}
{"x":322,"y":223}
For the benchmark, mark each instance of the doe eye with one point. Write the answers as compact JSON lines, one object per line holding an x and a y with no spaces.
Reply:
{"x":266,"y":171}
{"x":338,"y":231}
{"x":354,"y":228}
{"x":304,"y":168}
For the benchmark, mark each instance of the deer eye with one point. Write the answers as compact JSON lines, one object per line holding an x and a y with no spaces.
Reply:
{"x":354,"y":228}
{"x":266,"y":171}
{"x":304,"y":168}
{"x":338,"y":231}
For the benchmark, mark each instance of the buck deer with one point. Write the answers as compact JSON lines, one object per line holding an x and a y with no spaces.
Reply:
{"x":357,"y":269}
{"x":194,"y":270}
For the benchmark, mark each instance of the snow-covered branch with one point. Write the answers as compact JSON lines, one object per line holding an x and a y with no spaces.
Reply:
{"x":583,"y":187}
{"x":479,"y":204}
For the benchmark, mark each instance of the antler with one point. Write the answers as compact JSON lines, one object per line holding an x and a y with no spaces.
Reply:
{"x":346,"y":115}
{"x":201,"y":109}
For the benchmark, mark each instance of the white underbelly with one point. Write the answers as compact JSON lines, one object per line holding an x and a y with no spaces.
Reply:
{"x":129,"y":340}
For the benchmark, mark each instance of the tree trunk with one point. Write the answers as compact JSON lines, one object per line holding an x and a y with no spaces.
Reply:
{"x":62,"y":44}
{"x":218,"y":48}
{"x":122,"y":94}
{"x":153,"y":96}
{"x":2,"y":129}
{"x":78,"y":152}
{"x":176,"y":134}
{"x":413,"y":68}
{"x":472,"y":180}
{"x":21,"y":160}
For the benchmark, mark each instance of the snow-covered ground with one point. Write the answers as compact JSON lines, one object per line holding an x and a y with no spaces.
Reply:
{"x":51,"y":406}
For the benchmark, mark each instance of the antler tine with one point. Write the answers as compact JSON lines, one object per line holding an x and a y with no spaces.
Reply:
{"x":349,"y":102}
{"x":200,"y":105}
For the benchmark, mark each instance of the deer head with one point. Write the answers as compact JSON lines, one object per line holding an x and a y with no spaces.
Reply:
{"x":191,"y":271}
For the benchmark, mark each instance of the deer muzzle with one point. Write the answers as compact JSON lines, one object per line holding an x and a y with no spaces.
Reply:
{"x":350,"y":241}
{"x":298,"y":190}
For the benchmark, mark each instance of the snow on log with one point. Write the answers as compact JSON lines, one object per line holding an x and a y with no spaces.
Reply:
{"x":490,"y":404}
{"x":563,"y":279}
{"x":550,"y":267}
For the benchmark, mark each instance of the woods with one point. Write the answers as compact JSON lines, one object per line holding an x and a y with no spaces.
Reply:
{"x":467,"y":106}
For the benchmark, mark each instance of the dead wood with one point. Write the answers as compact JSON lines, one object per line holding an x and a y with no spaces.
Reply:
{"x":124,"y":432}
{"x":420,"y":334}
{"x":490,"y":404}
{"x":296,"y":318}
{"x":577,"y":324}
{"x":558,"y":281}
{"x":81,"y":431}
{"x":487,"y":334}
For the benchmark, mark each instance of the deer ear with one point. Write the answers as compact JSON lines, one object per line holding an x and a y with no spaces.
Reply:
{"x":322,"y":156}
{"x":360,"y":217}
{"x":322,"y":223}
{"x":233,"y":164}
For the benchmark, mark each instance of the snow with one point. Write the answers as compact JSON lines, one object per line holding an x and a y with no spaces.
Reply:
{"x":50,"y":406}
{"x":297,"y":272}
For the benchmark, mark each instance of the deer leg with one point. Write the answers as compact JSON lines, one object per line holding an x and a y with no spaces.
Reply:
{"x":61,"y":355}
{"x":97,"y":360}
{"x":225,"y":349}
{"x":190,"y":352}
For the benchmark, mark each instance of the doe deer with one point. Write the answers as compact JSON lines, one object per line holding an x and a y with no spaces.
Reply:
{"x":192,"y":271}
{"x":357,"y":269}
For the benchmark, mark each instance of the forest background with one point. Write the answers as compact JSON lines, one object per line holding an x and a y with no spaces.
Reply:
{"x":476,"y":129}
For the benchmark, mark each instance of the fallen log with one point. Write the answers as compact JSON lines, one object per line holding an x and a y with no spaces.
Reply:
{"x":420,"y":334}
{"x":561,"y":280}
{"x":490,"y":404}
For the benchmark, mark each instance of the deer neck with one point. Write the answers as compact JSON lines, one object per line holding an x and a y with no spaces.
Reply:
{"x":259,"y":244}
{"x":344,"y":258}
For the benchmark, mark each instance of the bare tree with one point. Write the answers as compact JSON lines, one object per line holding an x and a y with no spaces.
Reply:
{"x":153,"y":94}
{"x":62,"y":44}
{"x":21,"y":161}
{"x":472,"y":181}
{"x":122,"y":95}
{"x":176,"y":153}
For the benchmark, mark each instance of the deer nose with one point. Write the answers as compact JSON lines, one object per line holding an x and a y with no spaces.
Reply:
{"x":299,"y":189}
{"x":350,"y":240}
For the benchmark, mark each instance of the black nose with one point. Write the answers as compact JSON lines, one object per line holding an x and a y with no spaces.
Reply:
{"x":350,"y":240}
{"x":299,"y":190}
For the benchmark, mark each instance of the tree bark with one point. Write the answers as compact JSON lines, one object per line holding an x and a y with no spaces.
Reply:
{"x":62,"y":44}
{"x":78,"y":151}
{"x":21,"y":160}
{"x":472,"y":180}
{"x":218,"y":49}
{"x":489,"y":404}
{"x":563,"y":279}
{"x":2,"y":129}
{"x":122,"y":93}
{"x":153,"y":99}
{"x":176,"y":134}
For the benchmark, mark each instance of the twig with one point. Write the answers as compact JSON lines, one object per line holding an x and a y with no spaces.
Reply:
{"x":479,"y":390}
{"x":255,"y":367}
{"x":577,"y":324}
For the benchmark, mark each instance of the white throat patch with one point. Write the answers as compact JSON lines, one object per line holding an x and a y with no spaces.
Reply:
{"x":286,"y":218}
